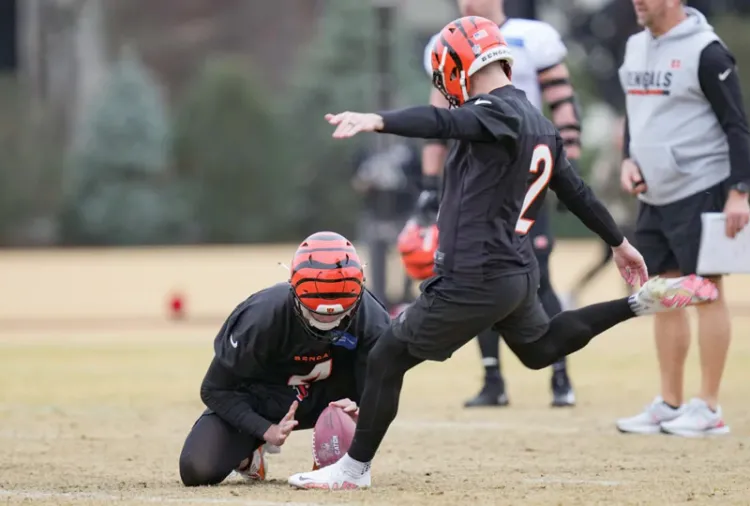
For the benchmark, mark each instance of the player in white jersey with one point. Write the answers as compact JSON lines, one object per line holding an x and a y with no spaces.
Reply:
{"x":538,"y":70}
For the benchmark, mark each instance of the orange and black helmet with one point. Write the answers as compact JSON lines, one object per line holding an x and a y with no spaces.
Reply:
{"x":417,"y":244}
{"x":327,"y":281}
{"x":463,"y":47}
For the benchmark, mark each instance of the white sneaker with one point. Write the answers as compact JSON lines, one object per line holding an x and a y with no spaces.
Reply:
{"x":346,"y":474}
{"x":651,"y":419}
{"x":697,"y":421}
{"x":666,"y":294}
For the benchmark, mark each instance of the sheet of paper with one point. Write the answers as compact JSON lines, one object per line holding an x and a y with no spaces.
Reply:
{"x":718,"y":253}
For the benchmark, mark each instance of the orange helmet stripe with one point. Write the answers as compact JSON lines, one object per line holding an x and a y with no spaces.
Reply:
{"x":327,"y":270}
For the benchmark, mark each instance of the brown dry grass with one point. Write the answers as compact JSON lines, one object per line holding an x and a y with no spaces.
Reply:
{"x":97,"y":414}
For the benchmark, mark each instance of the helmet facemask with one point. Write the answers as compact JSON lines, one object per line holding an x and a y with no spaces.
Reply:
{"x":438,"y":81}
{"x":327,"y":283}
{"x":325,"y":325}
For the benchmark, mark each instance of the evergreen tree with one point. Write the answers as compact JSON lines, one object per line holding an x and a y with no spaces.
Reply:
{"x":126,"y":131}
{"x":119,"y":189}
{"x":229,"y":145}
{"x":29,"y":169}
{"x":337,"y":72}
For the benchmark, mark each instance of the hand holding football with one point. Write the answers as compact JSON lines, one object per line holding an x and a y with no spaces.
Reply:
{"x":332,"y":436}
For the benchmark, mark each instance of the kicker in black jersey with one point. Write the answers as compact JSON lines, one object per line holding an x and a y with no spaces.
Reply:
{"x":496,"y":176}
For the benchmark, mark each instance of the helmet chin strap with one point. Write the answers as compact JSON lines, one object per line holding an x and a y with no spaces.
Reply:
{"x":464,"y":90}
{"x":452,"y":101}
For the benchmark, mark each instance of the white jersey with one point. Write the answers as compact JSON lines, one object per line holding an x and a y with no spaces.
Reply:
{"x":536,"y":46}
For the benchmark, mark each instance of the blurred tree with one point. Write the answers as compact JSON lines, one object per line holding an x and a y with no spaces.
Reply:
{"x":335,"y":73}
{"x":410,"y":81}
{"x":117,"y":184}
{"x":230,"y":146}
{"x":29,"y":171}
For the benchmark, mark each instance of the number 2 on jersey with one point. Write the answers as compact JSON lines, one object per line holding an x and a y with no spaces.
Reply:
{"x":540,"y":155}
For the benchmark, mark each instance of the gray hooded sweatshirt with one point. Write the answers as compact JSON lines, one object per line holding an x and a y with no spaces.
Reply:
{"x":675,"y":137}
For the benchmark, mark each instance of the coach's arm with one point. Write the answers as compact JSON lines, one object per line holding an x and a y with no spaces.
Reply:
{"x":720,"y":84}
{"x":717,"y":74}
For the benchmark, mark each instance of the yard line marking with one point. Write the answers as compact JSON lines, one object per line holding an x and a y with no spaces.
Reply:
{"x":103,"y":496}
{"x":573,"y":481}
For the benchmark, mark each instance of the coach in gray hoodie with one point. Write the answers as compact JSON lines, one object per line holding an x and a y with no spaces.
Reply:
{"x":687,"y":152}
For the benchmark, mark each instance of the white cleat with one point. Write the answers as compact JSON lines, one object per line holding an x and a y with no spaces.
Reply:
{"x":346,"y":474}
{"x":564,"y":399}
{"x":666,"y":294}
{"x":257,"y":468}
{"x":651,"y":419}
{"x":697,"y":421}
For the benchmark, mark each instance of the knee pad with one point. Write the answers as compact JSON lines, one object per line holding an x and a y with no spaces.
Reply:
{"x":191,"y":472}
{"x":197,"y":472}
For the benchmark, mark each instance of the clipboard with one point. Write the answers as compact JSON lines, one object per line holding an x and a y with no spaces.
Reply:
{"x":718,"y":254}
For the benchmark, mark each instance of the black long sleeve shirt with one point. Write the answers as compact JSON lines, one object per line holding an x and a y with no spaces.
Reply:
{"x":496,"y":177}
{"x":265,"y":359}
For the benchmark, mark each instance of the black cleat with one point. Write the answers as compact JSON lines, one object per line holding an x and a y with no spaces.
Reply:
{"x":492,"y":394}
{"x":562,"y":391}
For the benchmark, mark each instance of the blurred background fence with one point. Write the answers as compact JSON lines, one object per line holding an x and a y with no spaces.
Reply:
{"x":144,"y":122}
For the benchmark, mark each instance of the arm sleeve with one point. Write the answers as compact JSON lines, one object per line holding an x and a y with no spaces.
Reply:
{"x":219,"y":393}
{"x":580,"y":199}
{"x":720,"y":84}
{"x":372,"y":321}
{"x":481,"y":120}
{"x":242,"y":349}
{"x":245,"y":342}
{"x":546,"y":47}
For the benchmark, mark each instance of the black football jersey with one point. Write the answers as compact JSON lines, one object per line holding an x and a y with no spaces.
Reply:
{"x":264,"y":359}
{"x":506,"y":156}
{"x":263,"y":341}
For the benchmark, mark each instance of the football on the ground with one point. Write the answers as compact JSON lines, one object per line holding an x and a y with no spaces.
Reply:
{"x":332,"y":436}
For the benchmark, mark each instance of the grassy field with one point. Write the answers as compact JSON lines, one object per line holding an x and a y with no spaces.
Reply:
{"x":98,"y":390}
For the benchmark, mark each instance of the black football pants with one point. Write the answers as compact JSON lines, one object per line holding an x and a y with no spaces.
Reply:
{"x":448,"y":314}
